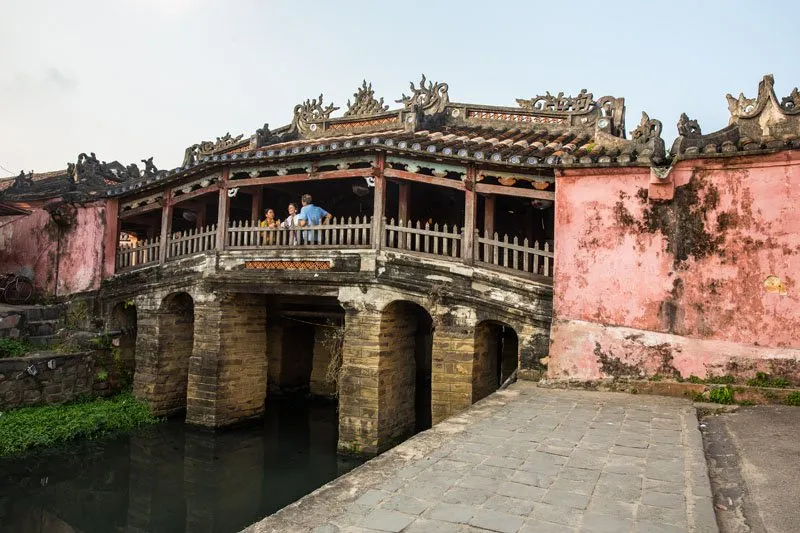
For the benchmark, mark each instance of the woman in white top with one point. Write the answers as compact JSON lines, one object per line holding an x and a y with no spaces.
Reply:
{"x":291,"y":222}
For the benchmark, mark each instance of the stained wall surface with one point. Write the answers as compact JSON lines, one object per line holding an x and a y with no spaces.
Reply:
{"x":703,"y":283}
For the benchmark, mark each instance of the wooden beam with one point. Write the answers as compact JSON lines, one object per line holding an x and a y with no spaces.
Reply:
{"x":470,"y":218}
{"x":140,"y":210}
{"x":111,"y":237}
{"x":421,"y":178}
{"x":194,"y":194}
{"x":222,"y":211}
{"x":402,"y":206}
{"x":256,"y":204}
{"x":166,"y":225}
{"x":484,"y":188}
{"x":295,"y":178}
{"x":201,"y":216}
{"x":379,"y":203}
{"x":488,"y":213}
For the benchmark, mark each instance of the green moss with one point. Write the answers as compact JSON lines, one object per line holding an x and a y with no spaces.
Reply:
{"x":727,"y":379}
{"x":763,"y":379}
{"x":13,"y":348}
{"x":722,"y":395}
{"x":33,"y":427}
{"x":793,"y":398}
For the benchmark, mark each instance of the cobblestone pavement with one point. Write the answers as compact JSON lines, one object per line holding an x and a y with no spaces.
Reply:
{"x":528,"y":460}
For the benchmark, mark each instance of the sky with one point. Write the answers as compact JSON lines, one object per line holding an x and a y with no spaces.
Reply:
{"x":130,"y":79}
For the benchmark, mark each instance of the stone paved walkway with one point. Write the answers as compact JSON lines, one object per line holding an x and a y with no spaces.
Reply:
{"x":527,"y":460}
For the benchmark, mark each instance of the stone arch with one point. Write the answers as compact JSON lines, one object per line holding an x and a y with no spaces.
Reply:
{"x":123,"y":319}
{"x":404,"y":370}
{"x":175,"y":345}
{"x":496,"y":357}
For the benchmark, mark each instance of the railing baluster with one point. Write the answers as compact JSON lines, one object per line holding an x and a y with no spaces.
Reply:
{"x":515,"y":254}
{"x":525,"y":253}
{"x":496,"y":249}
{"x":536,"y":257}
{"x":546,"y":259}
{"x":505,"y":251}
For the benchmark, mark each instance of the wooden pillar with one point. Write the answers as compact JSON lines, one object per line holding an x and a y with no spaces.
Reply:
{"x":379,"y":205}
{"x":488,"y":213}
{"x":111,"y":238}
{"x":222,"y":211}
{"x":402,"y":209}
{"x":257,"y":205}
{"x":470,"y":217}
{"x":201,"y":216}
{"x":166,"y":226}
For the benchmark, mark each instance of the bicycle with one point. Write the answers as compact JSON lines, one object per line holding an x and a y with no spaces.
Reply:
{"x":15,"y":289}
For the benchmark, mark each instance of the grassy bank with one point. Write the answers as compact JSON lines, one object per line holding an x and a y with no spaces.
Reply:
{"x":32,"y":427}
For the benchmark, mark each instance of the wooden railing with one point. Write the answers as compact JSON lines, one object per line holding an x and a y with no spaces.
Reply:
{"x":339,"y":233}
{"x":501,"y":253}
{"x":138,"y":254}
{"x":425,"y":239}
{"x":191,"y":242}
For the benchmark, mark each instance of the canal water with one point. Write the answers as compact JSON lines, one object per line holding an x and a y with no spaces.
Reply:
{"x":173,"y":478}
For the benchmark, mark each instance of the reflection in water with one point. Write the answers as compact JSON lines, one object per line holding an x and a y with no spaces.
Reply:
{"x":175,"y":478}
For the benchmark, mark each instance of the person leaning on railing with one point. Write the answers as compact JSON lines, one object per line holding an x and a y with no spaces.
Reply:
{"x":312,"y":215}
{"x":269,"y":222}
{"x":291,"y":222}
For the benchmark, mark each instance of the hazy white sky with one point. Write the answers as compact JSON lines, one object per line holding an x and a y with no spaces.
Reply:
{"x":128,"y":79}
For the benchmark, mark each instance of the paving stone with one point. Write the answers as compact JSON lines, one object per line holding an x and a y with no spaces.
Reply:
{"x":570,"y":485}
{"x":496,"y":521}
{"x":506,"y":504}
{"x":662,"y":499}
{"x":521,"y":490}
{"x":557,"y":513}
{"x":504,"y":462}
{"x":603,"y":523}
{"x":545,"y":527}
{"x":372,"y":498}
{"x":422,"y":525}
{"x":465,"y":496}
{"x":579,"y":474}
{"x":616,"y":508}
{"x":451,"y":512}
{"x":479,"y":482}
{"x":405,"y":504}
{"x":533,"y":478}
{"x":663,"y":515}
{"x":385,"y":520}
{"x":646,"y":526}
{"x":566,"y":499}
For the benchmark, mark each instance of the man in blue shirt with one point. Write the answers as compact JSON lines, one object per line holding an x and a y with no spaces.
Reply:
{"x":311,"y":215}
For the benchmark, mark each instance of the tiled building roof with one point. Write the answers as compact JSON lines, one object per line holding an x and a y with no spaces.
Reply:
{"x":542,"y":133}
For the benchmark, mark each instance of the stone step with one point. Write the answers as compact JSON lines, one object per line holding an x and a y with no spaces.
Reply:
{"x":38,"y":328}
{"x":44,"y":340}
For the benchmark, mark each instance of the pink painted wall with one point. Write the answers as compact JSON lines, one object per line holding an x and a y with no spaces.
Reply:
{"x":692,"y":270}
{"x":31,"y":241}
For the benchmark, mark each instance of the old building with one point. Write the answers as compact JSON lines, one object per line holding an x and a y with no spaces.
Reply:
{"x":467,"y":242}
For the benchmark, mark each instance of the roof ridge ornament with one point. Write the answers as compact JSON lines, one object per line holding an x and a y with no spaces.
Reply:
{"x":647,"y":136}
{"x":364,"y":103}
{"x":688,"y":127}
{"x":309,"y":113}
{"x":430,"y":99}
{"x":751,"y":107}
{"x":559,"y":103}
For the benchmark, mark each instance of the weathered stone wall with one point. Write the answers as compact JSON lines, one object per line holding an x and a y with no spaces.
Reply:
{"x":658,"y":286}
{"x":175,"y":343}
{"x":228,"y":374}
{"x":484,"y":372}
{"x":453,"y":354}
{"x":358,"y":382}
{"x":378,"y":392}
{"x":397,"y":372}
{"x":324,"y":346}
{"x":73,"y":376}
